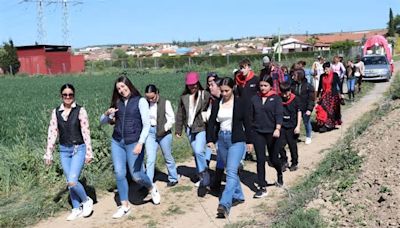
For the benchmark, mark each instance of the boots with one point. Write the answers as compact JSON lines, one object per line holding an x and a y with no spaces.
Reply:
{"x":216,"y":185}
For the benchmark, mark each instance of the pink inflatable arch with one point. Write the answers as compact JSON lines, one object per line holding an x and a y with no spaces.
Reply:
{"x":381,"y":41}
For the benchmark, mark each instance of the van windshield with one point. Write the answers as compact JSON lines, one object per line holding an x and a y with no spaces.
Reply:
{"x":374,"y":60}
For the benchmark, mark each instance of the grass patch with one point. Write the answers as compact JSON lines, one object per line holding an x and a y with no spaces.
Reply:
{"x":302,"y":219}
{"x":240,"y":224}
{"x":338,"y":170}
{"x":173,"y":210}
{"x":181,"y":188}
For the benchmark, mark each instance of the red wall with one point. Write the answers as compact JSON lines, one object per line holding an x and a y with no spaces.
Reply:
{"x":37,"y":61}
{"x":58,"y":62}
{"x":77,"y":63}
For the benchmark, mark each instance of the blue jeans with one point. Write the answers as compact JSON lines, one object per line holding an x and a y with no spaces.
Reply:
{"x":231,"y":154}
{"x":151,"y":147}
{"x":72,"y":161}
{"x":122,"y":154}
{"x":351,"y":84}
{"x":307,"y":124}
{"x":198,"y":143}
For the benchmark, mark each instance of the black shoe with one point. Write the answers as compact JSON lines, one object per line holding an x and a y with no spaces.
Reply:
{"x":279,"y":182}
{"x":261,"y":192}
{"x":236,"y":202}
{"x":202,"y":191}
{"x":323,"y":129}
{"x":222,"y":212}
{"x":172,"y":183}
{"x":293,"y":167}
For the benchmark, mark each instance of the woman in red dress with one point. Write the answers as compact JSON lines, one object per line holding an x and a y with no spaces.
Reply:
{"x":329,"y":100}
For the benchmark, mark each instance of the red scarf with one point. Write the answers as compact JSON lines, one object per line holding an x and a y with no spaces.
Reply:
{"x":241,"y":80}
{"x":292,"y":96}
{"x":267,"y":94}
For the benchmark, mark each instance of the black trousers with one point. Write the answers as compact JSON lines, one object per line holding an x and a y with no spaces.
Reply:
{"x":288,"y":137}
{"x":262,"y":140}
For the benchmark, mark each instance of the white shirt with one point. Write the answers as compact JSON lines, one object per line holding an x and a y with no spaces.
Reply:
{"x":169,"y":114}
{"x":224,"y":117}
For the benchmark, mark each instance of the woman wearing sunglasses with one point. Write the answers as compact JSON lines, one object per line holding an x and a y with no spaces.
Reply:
{"x":70,"y":123}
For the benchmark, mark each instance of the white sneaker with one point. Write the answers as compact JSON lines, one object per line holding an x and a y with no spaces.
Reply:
{"x":308,"y":141}
{"x":75,"y":213}
{"x":122,"y":211}
{"x":87,"y":207}
{"x":155,"y":195}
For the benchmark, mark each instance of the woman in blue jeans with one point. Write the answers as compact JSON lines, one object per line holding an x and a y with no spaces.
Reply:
{"x":228,"y":115}
{"x":129,"y":113}
{"x":162,"y":118}
{"x":193,"y":101}
{"x":70,"y":123}
{"x":351,"y":73}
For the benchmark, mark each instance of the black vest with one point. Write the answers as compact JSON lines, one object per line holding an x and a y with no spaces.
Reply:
{"x":161,"y":119}
{"x":128,"y":122}
{"x":70,"y":130}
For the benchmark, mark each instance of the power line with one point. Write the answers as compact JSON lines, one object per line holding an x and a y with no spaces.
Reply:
{"x":41,"y":32}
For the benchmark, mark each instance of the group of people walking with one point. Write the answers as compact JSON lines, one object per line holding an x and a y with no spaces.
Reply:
{"x":232,"y":116}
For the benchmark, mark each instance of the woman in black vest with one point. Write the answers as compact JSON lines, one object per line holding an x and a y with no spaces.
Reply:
{"x":70,"y":122}
{"x":162,"y":118}
{"x":130,"y":114}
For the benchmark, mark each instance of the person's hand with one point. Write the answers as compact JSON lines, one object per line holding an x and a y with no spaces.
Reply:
{"x":88,"y":160}
{"x":308,"y":113}
{"x":138,"y":148}
{"x":178,"y":136}
{"x":249,"y":148}
{"x":48,"y":161}
{"x":297,"y":130}
{"x":276,"y":133}
{"x":110,"y":111}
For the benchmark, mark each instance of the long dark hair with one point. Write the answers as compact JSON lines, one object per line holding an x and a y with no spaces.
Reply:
{"x":268,"y":79}
{"x":67,"y":86}
{"x":151,"y":89}
{"x":228,"y":81}
{"x":116,"y":96}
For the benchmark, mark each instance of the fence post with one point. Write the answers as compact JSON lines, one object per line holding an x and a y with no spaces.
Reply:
{"x":11,"y":70}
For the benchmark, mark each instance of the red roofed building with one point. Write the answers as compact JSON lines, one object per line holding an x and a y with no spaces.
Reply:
{"x":342,"y":36}
{"x":49,"y":59}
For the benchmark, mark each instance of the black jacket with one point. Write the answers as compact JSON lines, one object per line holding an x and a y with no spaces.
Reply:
{"x":305,"y":93}
{"x":265,"y":117}
{"x":249,"y":90}
{"x":240,"y":122}
{"x":290,"y":111}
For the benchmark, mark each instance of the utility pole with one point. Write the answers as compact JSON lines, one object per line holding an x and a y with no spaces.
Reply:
{"x":41,"y":32}
{"x":279,"y":45}
{"x":65,"y":26}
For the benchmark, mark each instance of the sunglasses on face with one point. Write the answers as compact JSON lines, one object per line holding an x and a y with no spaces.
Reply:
{"x":65,"y":95}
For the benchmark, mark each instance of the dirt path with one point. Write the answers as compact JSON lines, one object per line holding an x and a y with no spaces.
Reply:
{"x":180,"y":207}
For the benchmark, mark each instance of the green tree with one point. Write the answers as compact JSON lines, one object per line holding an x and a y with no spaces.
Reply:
{"x":391,"y":25}
{"x":343,"y":45}
{"x":9,"y":59}
{"x":312,"y":41}
{"x":396,"y":23}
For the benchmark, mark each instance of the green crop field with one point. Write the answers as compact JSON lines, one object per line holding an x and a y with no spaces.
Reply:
{"x":29,"y":189}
